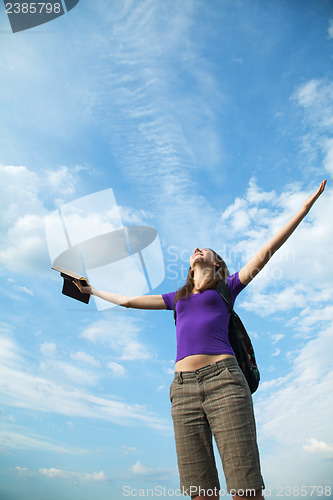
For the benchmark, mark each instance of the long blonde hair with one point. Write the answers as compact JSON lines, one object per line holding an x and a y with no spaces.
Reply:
{"x":221,"y":272}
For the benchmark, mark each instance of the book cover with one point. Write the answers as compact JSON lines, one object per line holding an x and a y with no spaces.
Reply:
{"x":69,"y":288}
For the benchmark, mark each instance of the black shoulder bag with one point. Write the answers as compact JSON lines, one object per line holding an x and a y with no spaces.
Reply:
{"x":240,"y":342}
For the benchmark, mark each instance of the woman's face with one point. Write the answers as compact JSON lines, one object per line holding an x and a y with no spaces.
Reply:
{"x":202,"y":255}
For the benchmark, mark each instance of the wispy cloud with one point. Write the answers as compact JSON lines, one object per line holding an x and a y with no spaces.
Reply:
{"x":152,"y":474}
{"x":85,"y":358}
{"x":18,"y":438}
{"x":315,"y":446}
{"x":281,"y":412}
{"x":315,"y":97}
{"x":160,"y":137}
{"x":73,"y":476}
{"x":25,"y":200}
{"x":126,"y":346}
{"x":330,"y":29}
{"x":48,"y":349}
{"x":117,"y":369}
{"x":277,"y":337}
{"x":22,"y":192}
{"x":310,"y":317}
{"x":66,"y":372}
{"x":23,"y":471}
{"x":306,"y":250}
{"x":22,"y":389}
{"x":289,"y":409}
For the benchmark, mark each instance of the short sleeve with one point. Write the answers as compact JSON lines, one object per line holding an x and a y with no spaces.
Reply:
{"x":169,"y":300}
{"x":235,"y":286}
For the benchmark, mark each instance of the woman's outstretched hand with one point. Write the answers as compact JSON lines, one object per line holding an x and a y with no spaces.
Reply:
{"x":311,"y":200}
{"x":260,"y":259}
{"x":83,"y":289}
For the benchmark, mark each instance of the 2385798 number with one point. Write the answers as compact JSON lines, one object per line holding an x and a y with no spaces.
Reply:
{"x":33,"y":8}
{"x":303,"y":491}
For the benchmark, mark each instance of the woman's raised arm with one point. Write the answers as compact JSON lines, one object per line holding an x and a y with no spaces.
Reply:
{"x":139,"y":302}
{"x":260,"y":259}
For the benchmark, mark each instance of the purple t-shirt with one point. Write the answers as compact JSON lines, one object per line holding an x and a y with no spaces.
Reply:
{"x":203,"y":320}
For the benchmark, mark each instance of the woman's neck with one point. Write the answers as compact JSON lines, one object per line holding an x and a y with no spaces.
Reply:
{"x":201,"y":275}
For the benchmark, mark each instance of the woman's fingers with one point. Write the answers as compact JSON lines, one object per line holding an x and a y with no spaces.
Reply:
{"x":322,"y":185}
{"x":321,"y":189}
{"x":78,"y":284}
{"x":310,"y":201}
{"x":83,"y":288}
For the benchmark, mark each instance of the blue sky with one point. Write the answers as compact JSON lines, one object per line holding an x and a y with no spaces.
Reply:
{"x":211,"y":122}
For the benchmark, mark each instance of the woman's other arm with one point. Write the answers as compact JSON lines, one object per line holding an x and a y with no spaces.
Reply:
{"x":260,"y":259}
{"x":140,"y":302}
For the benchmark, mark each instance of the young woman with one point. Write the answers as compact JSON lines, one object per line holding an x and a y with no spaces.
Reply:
{"x":209,"y":393}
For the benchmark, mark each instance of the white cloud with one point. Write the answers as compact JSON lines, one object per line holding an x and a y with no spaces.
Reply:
{"x":61,"y":180}
{"x":238,"y":204}
{"x":27,"y":389}
{"x":67,"y":373}
{"x":48,"y":349}
{"x":277,"y":337}
{"x":117,"y":369}
{"x":301,"y":401}
{"x":299,"y":275}
{"x":131,"y":217}
{"x":158,"y":473}
{"x":316,"y":97}
{"x":292,"y":408}
{"x":276,"y":352}
{"x":17,"y":438}
{"x":140,"y":469}
{"x":273,"y":384}
{"x":26,"y":290}
{"x":73,"y":476}
{"x":316,"y":446}
{"x":18,"y":194}
{"x":307,"y":94}
{"x":328,"y":160}
{"x":266,"y":304}
{"x":330,"y":29}
{"x":256,"y":195}
{"x":23,"y":471}
{"x":310,"y":317}
{"x":121,"y":335}
{"x":83,"y":357}
{"x":160,"y":145}
{"x":9,"y":351}
{"x":23,"y":248}
{"x":128,"y":449}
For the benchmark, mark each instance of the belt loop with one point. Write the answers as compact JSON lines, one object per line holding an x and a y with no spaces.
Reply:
{"x":180,"y":378}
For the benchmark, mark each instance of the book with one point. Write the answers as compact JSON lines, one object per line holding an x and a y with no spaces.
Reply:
{"x":69,"y":288}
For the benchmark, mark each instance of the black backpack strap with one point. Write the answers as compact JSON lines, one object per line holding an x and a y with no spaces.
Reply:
{"x":223,"y":290}
{"x":235,"y":334}
{"x":174,"y":312}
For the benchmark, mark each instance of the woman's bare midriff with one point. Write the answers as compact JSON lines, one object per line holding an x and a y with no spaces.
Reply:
{"x":197,"y":361}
